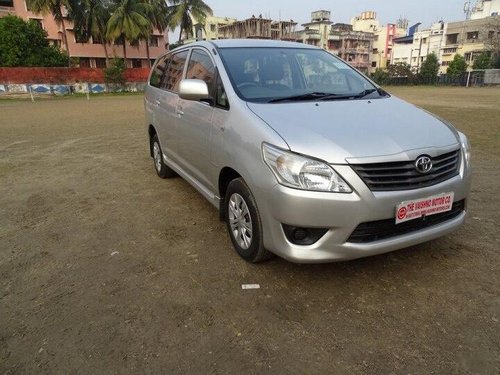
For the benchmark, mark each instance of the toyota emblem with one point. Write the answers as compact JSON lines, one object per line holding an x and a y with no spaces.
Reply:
{"x":423,"y":164}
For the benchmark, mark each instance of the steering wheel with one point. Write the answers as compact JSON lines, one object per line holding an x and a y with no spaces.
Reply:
{"x":247,"y":84}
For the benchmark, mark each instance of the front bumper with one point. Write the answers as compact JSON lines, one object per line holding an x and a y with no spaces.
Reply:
{"x":342,"y":213}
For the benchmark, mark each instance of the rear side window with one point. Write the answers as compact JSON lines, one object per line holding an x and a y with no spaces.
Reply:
{"x":158,"y":71}
{"x":173,"y":75}
{"x":201,"y":67}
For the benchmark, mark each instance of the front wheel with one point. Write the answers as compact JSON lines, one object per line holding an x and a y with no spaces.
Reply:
{"x":243,"y":222}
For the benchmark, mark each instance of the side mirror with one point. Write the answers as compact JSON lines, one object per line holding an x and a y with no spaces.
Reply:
{"x":193,"y":89}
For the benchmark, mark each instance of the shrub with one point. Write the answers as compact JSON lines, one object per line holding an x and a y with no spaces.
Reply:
{"x":114,"y":74}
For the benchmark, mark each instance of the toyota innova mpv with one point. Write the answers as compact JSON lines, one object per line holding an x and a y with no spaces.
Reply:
{"x":303,"y":155}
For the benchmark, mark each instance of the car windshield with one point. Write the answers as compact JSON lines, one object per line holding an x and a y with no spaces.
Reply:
{"x":273,"y":75}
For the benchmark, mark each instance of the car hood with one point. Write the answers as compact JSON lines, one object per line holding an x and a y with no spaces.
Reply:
{"x":340,"y":131}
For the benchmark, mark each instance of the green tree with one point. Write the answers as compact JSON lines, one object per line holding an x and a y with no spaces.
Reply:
{"x":158,"y":19}
{"x":90,"y":18}
{"x":483,"y":61}
{"x":25,"y":44}
{"x":401,"y":70}
{"x":429,"y":69}
{"x":128,"y":21}
{"x":380,"y":76}
{"x":54,"y":7}
{"x":181,"y":12}
{"x":457,"y":67}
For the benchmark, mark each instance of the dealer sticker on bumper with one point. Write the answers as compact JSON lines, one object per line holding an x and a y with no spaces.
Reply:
{"x":417,"y":208}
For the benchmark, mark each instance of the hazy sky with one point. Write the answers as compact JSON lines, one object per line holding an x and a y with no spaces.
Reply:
{"x":425,"y":11}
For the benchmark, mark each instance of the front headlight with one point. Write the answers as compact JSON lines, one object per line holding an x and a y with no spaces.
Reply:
{"x":299,"y":172}
{"x":465,"y":147}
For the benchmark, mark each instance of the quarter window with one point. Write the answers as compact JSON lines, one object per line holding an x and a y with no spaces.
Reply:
{"x":158,"y":71}
{"x":173,"y":74}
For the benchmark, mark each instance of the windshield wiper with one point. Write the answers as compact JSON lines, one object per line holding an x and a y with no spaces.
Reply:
{"x":323,"y":96}
{"x":308,"y":96}
{"x":353,"y":96}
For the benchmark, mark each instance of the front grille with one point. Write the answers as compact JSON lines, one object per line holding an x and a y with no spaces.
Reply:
{"x":382,"y":229}
{"x":404,"y":176}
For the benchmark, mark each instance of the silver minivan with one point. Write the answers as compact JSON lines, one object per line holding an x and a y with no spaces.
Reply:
{"x":303,"y":155}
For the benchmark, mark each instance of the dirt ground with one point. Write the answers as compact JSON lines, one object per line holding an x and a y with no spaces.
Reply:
{"x":105,"y":268}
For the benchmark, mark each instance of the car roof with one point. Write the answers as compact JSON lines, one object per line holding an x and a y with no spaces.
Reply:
{"x":247,"y":43}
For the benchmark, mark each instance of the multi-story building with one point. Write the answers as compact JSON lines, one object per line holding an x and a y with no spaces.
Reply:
{"x":485,"y":8}
{"x":316,"y":32}
{"x":209,"y":29}
{"x":353,"y":46}
{"x":89,"y":53}
{"x":414,"y":48}
{"x":468,"y":38}
{"x":214,"y":28}
{"x":383,"y":37}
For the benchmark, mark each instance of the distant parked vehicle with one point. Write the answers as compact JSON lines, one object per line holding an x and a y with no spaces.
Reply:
{"x":304,"y":156}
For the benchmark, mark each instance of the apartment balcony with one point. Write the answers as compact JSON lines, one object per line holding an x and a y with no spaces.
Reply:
{"x":357,"y":51}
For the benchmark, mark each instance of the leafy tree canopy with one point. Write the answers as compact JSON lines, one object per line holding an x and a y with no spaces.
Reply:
{"x":457,"y":67}
{"x":429,"y":69}
{"x":483,"y":61}
{"x":25,"y":44}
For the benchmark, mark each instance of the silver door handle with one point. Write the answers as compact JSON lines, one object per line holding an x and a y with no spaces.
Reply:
{"x":157,"y":102}
{"x":179,"y":112}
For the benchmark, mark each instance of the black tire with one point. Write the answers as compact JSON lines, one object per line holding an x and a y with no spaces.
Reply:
{"x":163,"y":170}
{"x":255,"y":252}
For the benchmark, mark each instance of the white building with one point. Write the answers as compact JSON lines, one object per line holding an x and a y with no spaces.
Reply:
{"x":414,"y":48}
{"x":485,"y":8}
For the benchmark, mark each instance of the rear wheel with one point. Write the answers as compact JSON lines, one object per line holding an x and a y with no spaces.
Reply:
{"x":243,"y":222}
{"x":163,"y":170}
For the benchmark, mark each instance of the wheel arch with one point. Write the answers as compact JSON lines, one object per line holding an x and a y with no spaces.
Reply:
{"x":152,"y":132}
{"x":226,"y":175}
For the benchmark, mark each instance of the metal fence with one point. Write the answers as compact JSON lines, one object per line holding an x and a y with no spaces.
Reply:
{"x":487,"y":77}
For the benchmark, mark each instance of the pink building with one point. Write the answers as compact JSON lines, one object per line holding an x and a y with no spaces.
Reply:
{"x":89,"y":53}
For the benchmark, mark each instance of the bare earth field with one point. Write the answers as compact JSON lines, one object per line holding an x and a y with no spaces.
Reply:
{"x":105,"y":268}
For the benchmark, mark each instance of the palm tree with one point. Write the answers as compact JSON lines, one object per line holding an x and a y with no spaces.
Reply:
{"x":157,"y":15}
{"x":128,"y":21}
{"x":53,"y":7}
{"x":90,"y":18}
{"x":180,"y":14}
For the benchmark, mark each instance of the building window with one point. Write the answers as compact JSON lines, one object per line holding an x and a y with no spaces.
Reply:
{"x":472,"y":35}
{"x":424,"y":40}
{"x":154,"y":41}
{"x":212,"y":28}
{"x":7,"y":3}
{"x":134,"y":43}
{"x":452,"y":39}
{"x":55,"y":42}
{"x":96,"y":40}
{"x":100,"y":63}
{"x":84,"y":62}
{"x":374,"y":64}
{"x":38,"y":22}
{"x":80,"y":38}
{"x":136,"y":63}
